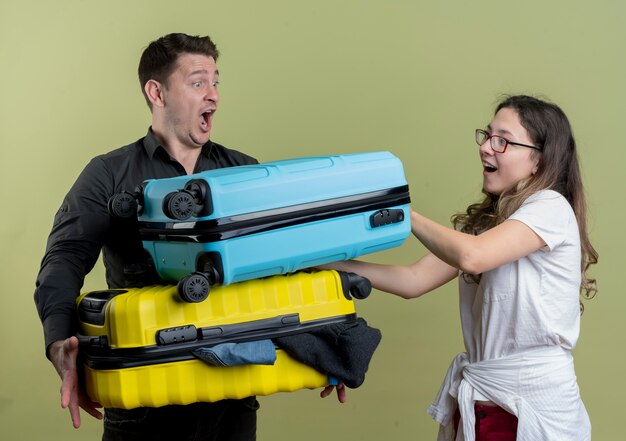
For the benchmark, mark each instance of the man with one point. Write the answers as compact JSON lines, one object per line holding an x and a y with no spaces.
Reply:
{"x":179,"y":79}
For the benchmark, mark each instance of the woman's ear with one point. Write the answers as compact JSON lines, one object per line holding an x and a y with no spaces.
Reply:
{"x":535,"y":164}
{"x":154,"y":92}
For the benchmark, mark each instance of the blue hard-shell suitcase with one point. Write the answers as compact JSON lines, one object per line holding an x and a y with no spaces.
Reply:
{"x":240,"y":223}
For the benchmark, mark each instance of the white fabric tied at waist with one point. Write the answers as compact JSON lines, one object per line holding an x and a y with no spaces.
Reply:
{"x":538,"y":387}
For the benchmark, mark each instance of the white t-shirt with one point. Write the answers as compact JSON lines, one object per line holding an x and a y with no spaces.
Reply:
{"x":520,"y":324}
{"x":534,"y":301}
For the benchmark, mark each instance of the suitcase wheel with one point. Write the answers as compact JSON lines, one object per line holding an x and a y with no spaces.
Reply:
{"x":194,"y":288}
{"x":180,"y":205}
{"x":358,"y":286}
{"x":193,"y":200}
{"x":123,"y":205}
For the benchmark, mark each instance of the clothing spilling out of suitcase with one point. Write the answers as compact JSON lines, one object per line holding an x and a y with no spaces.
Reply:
{"x":242,"y":309}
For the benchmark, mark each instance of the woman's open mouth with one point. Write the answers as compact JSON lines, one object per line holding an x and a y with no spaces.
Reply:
{"x":489,"y":168}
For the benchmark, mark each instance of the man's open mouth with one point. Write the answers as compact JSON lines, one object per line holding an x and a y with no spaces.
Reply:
{"x":206,"y":118}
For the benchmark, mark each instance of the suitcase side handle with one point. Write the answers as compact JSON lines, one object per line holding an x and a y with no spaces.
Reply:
{"x":249,"y":328}
{"x":189,"y":333}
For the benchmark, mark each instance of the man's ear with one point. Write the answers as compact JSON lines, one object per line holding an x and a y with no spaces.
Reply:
{"x":154,"y":92}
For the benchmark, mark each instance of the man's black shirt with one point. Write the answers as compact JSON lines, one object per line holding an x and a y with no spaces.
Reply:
{"x":82,"y":227}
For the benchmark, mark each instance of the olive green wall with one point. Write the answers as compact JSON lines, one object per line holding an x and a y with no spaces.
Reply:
{"x":305,"y":78}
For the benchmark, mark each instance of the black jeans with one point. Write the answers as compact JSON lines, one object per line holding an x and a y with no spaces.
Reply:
{"x":227,"y":420}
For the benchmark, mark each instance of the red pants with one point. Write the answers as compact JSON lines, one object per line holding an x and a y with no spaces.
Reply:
{"x":492,"y":424}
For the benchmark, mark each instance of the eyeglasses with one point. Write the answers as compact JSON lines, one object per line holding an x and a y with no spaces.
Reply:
{"x":498,"y":143}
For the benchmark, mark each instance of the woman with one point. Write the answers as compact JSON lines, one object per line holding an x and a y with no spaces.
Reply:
{"x":521,"y":257}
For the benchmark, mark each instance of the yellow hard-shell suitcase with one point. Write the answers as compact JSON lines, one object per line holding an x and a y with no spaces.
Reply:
{"x":137,"y":343}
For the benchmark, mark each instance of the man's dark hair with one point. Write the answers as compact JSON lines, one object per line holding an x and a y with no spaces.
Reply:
{"x":159,"y":59}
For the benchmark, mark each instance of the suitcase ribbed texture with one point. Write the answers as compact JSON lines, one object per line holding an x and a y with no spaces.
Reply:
{"x":193,"y":381}
{"x":130,"y":322}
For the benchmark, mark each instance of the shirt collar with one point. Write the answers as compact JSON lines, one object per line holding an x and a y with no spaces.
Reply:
{"x":151,"y":144}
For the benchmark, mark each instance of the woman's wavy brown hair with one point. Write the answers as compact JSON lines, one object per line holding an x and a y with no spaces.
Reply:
{"x":558,"y":169}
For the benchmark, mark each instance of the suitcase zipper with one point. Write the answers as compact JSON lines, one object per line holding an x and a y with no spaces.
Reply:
{"x":98,"y":356}
{"x":250,"y":223}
